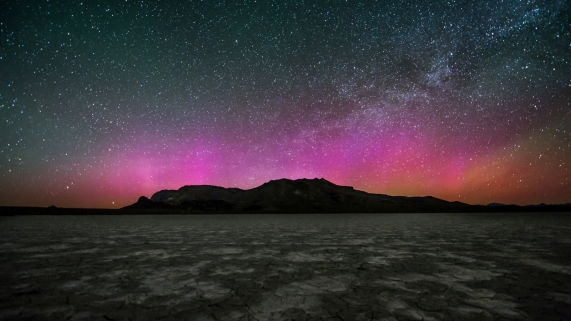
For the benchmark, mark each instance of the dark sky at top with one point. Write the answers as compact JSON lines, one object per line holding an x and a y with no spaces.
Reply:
{"x":103,"y":101}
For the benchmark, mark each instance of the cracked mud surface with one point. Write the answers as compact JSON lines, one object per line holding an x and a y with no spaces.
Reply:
{"x":287,"y":267}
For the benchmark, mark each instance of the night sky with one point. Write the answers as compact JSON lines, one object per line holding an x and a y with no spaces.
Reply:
{"x":104,"y":101}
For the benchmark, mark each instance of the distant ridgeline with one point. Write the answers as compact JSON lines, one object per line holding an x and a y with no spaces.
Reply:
{"x":305,"y":196}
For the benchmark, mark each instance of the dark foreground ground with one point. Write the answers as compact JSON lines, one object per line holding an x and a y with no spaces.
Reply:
{"x":286,"y":267}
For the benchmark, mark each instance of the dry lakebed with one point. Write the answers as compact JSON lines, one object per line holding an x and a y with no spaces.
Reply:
{"x":286,"y":267}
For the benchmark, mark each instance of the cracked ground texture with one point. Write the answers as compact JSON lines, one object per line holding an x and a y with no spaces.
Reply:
{"x":286,"y":267}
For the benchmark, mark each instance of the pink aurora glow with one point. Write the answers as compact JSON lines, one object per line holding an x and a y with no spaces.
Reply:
{"x":378,"y":157}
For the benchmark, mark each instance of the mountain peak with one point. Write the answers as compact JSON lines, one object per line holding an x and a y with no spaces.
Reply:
{"x":316,"y":195}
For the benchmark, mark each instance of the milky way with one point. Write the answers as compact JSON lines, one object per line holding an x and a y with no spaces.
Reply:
{"x":104,"y":101}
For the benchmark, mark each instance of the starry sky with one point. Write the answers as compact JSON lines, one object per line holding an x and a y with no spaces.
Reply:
{"x":104,"y":101}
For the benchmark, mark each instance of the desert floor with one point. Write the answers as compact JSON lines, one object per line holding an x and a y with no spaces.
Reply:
{"x":286,"y":267}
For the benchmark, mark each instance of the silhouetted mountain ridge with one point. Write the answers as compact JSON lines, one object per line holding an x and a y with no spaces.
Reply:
{"x":292,"y":196}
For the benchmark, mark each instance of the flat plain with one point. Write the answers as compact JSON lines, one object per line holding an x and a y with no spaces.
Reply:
{"x":286,"y":267}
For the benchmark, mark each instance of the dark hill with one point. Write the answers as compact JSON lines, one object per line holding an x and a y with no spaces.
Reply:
{"x":292,"y":196}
